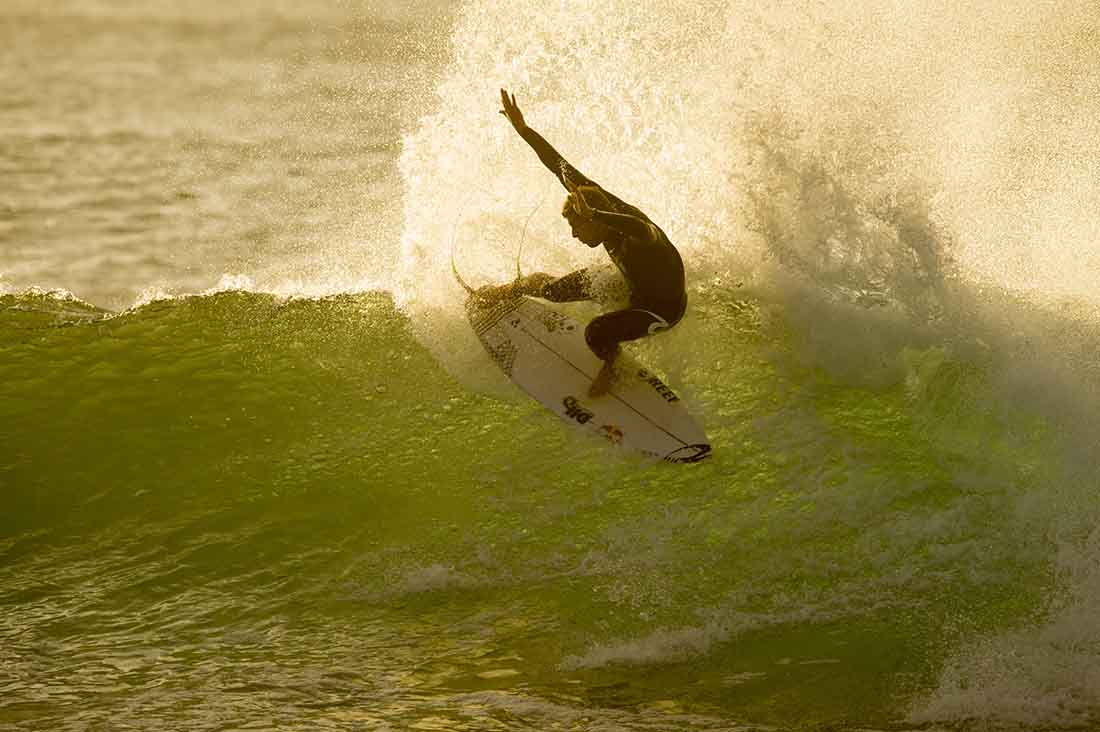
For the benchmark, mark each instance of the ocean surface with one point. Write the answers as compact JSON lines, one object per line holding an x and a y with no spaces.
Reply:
{"x":256,"y":471}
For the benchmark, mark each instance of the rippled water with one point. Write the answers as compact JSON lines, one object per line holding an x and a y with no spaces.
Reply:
{"x":257,"y":472}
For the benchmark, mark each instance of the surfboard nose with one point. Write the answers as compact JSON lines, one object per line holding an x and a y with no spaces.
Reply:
{"x":689,"y":453}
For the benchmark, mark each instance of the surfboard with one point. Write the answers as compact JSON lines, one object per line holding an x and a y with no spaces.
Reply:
{"x":544,"y":352}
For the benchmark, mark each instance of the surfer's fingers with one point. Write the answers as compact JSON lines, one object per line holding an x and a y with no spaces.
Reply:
{"x":511,"y":109}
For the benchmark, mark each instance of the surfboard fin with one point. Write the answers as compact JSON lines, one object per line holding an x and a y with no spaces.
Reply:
{"x":523,"y":237}
{"x":519,"y":252}
{"x":454,"y":268}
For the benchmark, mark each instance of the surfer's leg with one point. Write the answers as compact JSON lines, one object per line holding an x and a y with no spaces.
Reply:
{"x":573,"y":287}
{"x":570,"y":288}
{"x":532,"y":284}
{"x":604,"y":334}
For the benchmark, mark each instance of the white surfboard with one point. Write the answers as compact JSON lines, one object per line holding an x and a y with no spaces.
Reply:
{"x":544,"y":352}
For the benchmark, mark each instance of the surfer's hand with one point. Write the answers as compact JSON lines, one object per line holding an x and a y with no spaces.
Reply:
{"x":576,"y":200}
{"x":511,"y":111}
{"x":576,"y":196}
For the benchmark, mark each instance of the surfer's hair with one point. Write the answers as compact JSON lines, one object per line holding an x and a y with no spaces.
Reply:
{"x":593,"y":196}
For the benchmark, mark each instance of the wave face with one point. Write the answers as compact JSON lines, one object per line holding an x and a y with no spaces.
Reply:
{"x":233,"y":502}
{"x":243,"y":509}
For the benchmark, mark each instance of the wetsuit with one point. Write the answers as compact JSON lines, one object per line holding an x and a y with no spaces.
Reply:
{"x":643,"y":254}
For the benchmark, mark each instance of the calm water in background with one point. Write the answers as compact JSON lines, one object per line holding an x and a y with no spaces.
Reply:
{"x":256,"y":473}
{"x":148,"y":146}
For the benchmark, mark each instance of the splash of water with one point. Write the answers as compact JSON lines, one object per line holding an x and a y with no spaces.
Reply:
{"x":866,"y":145}
{"x":899,"y":181}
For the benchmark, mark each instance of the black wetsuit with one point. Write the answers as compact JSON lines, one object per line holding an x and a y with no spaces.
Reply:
{"x":646,"y":258}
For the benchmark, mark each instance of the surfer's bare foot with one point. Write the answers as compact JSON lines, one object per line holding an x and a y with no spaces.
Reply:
{"x":532,"y":284}
{"x":487,"y":295}
{"x":602,"y":383}
{"x":493,"y":294}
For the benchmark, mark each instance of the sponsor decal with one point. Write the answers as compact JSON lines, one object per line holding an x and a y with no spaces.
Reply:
{"x":575,"y":410}
{"x":658,"y":386}
{"x":612,"y":433}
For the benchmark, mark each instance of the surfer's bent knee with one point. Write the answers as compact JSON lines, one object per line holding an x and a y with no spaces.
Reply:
{"x":604,"y":333}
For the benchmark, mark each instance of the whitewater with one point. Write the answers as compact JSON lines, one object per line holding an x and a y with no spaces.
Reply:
{"x":258,"y":473}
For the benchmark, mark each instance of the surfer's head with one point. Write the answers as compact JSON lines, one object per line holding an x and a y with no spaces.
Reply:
{"x":590,"y":232}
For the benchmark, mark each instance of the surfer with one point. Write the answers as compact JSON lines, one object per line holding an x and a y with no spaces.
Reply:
{"x":643,"y":254}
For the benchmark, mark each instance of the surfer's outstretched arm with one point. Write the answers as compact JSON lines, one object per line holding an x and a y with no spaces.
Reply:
{"x":550,"y":157}
{"x":566,"y":174}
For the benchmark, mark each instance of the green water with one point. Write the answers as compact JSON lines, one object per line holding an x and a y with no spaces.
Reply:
{"x":256,"y":471}
{"x":235,"y":510}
